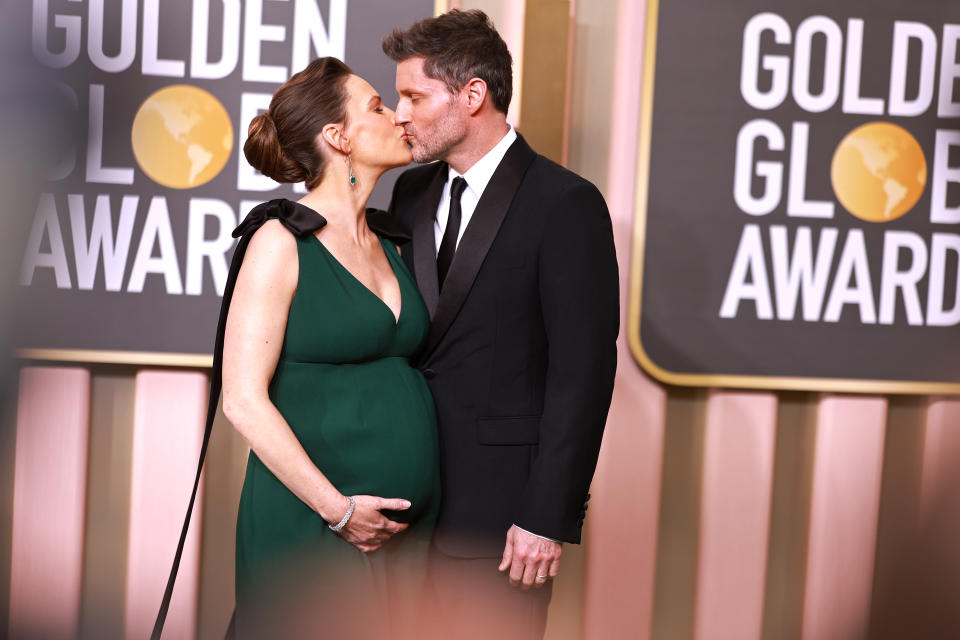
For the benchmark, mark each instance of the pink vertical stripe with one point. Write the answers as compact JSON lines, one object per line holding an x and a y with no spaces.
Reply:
{"x":941,"y":453}
{"x":50,"y":480}
{"x":169,"y":410}
{"x":511,"y":30}
{"x":622,"y":538}
{"x":568,"y":84}
{"x":845,"y":502}
{"x":735,"y":514}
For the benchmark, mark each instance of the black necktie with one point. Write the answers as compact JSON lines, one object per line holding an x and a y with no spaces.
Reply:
{"x":448,"y":245}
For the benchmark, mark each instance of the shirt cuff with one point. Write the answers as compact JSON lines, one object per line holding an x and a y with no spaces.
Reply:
{"x":537,"y":534}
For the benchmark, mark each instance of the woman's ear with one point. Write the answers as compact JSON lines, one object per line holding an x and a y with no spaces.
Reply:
{"x":332,"y":134}
{"x":475,"y":91}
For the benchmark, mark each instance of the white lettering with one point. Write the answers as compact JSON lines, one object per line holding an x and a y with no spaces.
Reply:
{"x":853,"y":102}
{"x":248,"y":178}
{"x":892,"y":278}
{"x":71,"y":26}
{"x":853,"y":265}
{"x":156,"y":228}
{"x":777,"y":65}
{"x":903,"y":32}
{"x":87,"y":252}
{"x":831,"y":71}
{"x":771,"y":172}
{"x":254,"y":34}
{"x":308,"y":28}
{"x":128,"y":37}
{"x":749,"y":262}
{"x":45,"y":223}
{"x":937,"y":316}
{"x":943,"y":175}
{"x":68,"y":162}
{"x":792,"y":273}
{"x":797,"y":204}
{"x":96,"y":172}
{"x":200,"y":67}
{"x":947,"y":107}
{"x":152,"y":63}
{"x":198,"y":247}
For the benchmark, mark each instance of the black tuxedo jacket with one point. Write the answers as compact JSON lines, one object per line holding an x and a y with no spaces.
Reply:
{"x":521,"y":352}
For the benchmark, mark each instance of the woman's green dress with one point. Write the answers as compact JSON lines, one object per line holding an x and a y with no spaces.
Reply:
{"x":346,"y":386}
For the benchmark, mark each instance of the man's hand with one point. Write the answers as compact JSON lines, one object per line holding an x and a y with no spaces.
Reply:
{"x":532,"y":560}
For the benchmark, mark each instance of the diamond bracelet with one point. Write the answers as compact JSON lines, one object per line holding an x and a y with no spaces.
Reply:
{"x":345,"y":518}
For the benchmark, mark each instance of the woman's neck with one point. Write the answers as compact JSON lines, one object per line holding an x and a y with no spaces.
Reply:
{"x":342,"y":204}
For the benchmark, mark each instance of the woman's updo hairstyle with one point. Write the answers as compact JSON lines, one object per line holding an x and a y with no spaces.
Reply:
{"x":281,"y":142}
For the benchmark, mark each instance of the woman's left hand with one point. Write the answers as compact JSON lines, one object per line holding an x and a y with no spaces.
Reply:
{"x":367,"y":529}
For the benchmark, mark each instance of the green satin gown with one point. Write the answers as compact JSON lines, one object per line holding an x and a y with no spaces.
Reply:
{"x":364,"y":415}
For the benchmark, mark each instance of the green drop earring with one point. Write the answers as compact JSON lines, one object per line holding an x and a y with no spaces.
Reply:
{"x":353,"y":178}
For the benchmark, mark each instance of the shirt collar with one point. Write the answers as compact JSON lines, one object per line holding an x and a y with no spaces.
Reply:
{"x":480,"y":173}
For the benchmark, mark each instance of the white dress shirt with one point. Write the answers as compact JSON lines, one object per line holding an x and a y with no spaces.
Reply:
{"x":477,"y":177}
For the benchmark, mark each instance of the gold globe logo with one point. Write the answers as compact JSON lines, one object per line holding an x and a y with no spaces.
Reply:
{"x":182,"y":136}
{"x":878,"y":172}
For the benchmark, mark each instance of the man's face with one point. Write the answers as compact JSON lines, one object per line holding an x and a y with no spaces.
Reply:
{"x":432,"y":118}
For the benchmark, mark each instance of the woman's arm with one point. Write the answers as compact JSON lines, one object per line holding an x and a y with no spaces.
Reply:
{"x":256,"y":323}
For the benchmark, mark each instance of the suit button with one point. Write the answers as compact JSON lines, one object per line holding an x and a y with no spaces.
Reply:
{"x":429,"y":374}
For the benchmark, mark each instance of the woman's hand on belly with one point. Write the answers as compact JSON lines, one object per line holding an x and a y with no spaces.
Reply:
{"x":367,"y":529}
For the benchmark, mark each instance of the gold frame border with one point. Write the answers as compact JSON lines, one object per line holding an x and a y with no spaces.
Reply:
{"x":842,"y":385}
{"x":91,"y":356}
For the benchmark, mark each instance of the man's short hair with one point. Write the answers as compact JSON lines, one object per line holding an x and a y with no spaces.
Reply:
{"x":456,"y":47}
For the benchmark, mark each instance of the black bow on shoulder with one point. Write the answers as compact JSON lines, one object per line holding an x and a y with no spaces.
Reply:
{"x":386,"y":225}
{"x":301,"y":220}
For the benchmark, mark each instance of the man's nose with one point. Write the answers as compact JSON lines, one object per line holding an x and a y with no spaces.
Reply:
{"x":401,"y":115}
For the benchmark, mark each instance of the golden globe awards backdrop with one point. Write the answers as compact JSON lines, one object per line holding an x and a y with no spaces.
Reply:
{"x":799,"y":202}
{"x":129,"y":243}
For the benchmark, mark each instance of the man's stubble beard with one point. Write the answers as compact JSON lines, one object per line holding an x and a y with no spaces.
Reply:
{"x":434,"y":144}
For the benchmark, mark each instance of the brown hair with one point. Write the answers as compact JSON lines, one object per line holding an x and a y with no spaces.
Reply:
{"x":281,"y":142}
{"x":457,"y":46}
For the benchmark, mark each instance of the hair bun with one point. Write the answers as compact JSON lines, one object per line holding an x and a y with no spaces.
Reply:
{"x":264,"y":153}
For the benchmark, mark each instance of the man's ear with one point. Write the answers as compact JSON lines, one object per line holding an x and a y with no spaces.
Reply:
{"x":332,"y":134}
{"x":475,"y":91}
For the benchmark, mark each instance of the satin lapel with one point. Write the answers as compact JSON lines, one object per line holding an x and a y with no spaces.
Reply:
{"x":424,"y":242}
{"x":477,"y":238}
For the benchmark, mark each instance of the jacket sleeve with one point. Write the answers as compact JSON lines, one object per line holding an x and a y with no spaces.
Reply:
{"x":580,"y":302}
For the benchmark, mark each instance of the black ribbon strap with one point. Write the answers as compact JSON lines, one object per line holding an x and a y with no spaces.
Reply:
{"x":301,"y":221}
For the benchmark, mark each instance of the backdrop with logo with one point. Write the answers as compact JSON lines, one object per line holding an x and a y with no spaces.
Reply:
{"x":129,"y":243}
{"x":798,"y":218}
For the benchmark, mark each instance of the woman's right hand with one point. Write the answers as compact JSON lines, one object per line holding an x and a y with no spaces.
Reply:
{"x":367,"y":528}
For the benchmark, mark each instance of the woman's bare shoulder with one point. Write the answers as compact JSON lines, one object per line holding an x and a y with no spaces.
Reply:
{"x":272,"y":254}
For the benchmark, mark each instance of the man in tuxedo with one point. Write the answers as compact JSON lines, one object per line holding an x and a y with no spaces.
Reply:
{"x":514,"y":257}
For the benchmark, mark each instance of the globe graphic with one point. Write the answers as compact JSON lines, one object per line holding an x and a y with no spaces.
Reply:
{"x":182,"y":136}
{"x":878,"y":172}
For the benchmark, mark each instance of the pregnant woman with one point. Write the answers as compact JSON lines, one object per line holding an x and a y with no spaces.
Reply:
{"x":342,"y":483}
